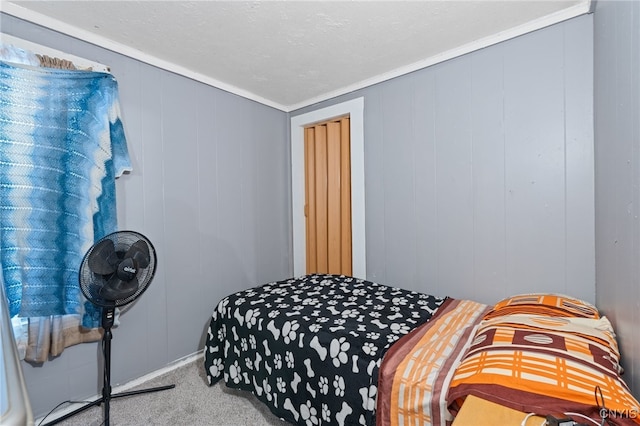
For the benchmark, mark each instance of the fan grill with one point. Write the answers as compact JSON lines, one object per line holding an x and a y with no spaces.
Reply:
{"x":92,"y":283}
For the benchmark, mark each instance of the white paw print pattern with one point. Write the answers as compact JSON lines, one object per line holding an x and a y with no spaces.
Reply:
{"x":368,"y":395}
{"x":338,"y":386}
{"x":235,"y":373}
{"x":281,"y":385}
{"x":400,"y":328}
{"x":216,"y":367}
{"x":323,"y":385}
{"x":288,"y":357}
{"x":266,"y":387}
{"x":222,"y":333}
{"x":251,"y":317}
{"x":369,"y":348}
{"x":309,"y":413}
{"x":326,"y":412}
{"x":277,"y":361}
{"x":338,"y":351}
{"x":289,"y":331}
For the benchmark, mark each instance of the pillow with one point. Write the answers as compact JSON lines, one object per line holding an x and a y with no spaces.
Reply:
{"x":545,"y":304}
{"x":544,"y":365}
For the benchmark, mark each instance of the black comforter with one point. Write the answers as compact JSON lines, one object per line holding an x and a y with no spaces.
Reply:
{"x":310,"y":347}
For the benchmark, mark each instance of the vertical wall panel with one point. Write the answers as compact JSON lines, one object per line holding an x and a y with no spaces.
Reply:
{"x":454,"y":186}
{"x":180,"y":184}
{"x":488,"y":153}
{"x":580,"y":230}
{"x":207,"y":196}
{"x":424,"y":148}
{"x":534,"y":164}
{"x":398,"y":172}
{"x":374,"y":187}
{"x":151,"y":152}
{"x":617,"y":184}
{"x":272,"y":193}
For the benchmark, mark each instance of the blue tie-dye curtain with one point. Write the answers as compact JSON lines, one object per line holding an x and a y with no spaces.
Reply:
{"x":62,"y":145}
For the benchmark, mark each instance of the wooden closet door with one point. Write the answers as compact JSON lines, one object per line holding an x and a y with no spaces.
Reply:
{"x":328,"y":197}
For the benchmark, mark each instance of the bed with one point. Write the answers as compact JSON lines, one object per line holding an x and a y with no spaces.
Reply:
{"x":329,"y":349}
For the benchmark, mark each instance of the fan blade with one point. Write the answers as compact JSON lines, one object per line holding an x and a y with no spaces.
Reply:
{"x":117,"y":289}
{"x":139,"y":251}
{"x":103,"y":259}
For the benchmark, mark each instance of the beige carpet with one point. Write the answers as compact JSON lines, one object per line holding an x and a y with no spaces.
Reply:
{"x":191,"y":402}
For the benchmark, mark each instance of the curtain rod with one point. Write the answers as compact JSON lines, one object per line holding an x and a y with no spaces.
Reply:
{"x":80,"y":63}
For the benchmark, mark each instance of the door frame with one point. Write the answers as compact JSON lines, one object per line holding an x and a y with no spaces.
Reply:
{"x":355,"y":110}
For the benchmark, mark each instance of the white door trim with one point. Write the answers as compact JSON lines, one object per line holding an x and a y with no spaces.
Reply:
{"x":355,"y":109}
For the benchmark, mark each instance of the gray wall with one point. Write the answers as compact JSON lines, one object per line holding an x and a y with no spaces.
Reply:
{"x":617,"y":136}
{"x":210,"y":188}
{"x":479,"y":171}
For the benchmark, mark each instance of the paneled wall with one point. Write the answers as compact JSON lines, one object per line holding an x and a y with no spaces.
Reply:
{"x":479,"y":170}
{"x":617,"y":135}
{"x":209,"y":187}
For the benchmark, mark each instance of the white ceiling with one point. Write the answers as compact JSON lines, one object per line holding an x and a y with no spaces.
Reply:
{"x":290,"y":54}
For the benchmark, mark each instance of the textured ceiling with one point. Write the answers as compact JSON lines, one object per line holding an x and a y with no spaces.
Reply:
{"x":290,"y":54}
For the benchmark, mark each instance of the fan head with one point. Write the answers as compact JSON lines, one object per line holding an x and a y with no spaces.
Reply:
{"x":117,"y":269}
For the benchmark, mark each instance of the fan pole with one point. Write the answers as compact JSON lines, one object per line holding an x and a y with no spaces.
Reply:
{"x":107,"y":323}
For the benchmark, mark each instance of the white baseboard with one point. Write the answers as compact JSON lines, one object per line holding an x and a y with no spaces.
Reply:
{"x":125,"y":387}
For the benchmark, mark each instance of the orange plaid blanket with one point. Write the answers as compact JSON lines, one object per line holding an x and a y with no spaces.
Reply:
{"x":542,"y":364}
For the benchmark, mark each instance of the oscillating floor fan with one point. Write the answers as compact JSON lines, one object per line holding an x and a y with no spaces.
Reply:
{"x":114,"y":272}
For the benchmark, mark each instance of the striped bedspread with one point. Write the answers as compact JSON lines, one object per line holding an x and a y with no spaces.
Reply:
{"x":414,"y":376}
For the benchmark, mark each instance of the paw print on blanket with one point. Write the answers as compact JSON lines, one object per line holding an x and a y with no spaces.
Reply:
{"x":235,"y":373}
{"x":281,"y":385}
{"x":277,"y":361}
{"x":222,"y":307}
{"x":323,"y":385}
{"x":369,"y":348}
{"x":338,"y":351}
{"x":251,"y":317}
{"x":222,"y":333}
{"x":338,"y":385}
{"x":309,"y":414}
{"x":399,"y":301}
{"x":216,"y":368}
{"x":400,"y":328}
{"x":288,"y":357}
{"x":326,"y":413}
{"x":289,"y":330}
{"x":368,"y":397}
{"x":266,"y":387}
